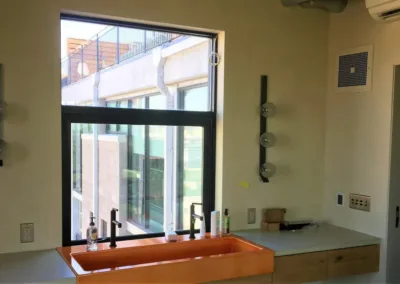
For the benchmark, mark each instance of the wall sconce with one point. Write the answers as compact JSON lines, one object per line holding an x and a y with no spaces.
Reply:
{"x":267,"y":170}
{"x":267,"y":139}
{"x":268,"y":110}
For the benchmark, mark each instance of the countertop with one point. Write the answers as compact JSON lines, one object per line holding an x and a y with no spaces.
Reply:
{"x":313,"y":239}
{"x":47,"y":266}
{"x":34,"y":267}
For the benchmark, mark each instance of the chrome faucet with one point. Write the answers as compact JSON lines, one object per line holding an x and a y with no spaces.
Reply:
{"x":114,"y":224}
{"x":193,"y":218}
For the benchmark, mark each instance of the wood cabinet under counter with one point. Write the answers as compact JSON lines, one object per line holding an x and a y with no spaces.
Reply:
{"x":318,"y":252}
{"x":309,"y":267}
{"x":352,"y":261}
{"x":300,"y":268}
{"x":318,"y":266}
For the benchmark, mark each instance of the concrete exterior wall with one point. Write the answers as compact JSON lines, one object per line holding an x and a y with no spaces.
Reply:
{"x":189,"y":64}
{"x":87,"y":182}
{"x":112,"y":184}
{"x":140,"y":74}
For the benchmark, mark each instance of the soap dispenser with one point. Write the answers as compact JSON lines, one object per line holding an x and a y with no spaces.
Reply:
{"x":226,"y":222}
{"x":91,"y":235}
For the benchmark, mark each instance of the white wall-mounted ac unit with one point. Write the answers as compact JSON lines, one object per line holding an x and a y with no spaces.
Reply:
{"x":384,"y":10}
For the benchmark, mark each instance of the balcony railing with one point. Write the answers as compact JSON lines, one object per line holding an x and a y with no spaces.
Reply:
{"x":112,"y":47}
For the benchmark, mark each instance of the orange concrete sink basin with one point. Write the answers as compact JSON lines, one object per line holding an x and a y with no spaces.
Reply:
{"x":185,"y":261}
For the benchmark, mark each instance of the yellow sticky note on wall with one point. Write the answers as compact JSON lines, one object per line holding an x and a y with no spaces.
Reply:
{"x":244,"y":184}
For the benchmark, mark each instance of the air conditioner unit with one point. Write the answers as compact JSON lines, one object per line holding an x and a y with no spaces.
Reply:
{"x":384,"y":10}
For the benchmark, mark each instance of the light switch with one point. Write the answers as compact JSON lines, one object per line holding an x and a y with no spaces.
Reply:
{"x":251,"y":216}
{"x":340,"y":199}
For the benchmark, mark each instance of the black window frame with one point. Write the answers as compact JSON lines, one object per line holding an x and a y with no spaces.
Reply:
{"x":126,"y":116}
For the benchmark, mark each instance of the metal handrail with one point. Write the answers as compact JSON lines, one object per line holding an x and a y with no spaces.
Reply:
{"x":105,"y":53}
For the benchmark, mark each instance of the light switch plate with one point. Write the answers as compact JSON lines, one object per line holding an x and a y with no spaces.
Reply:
{"x":27,"y":233}
{"x":251,"y":215}
{"x":340,"y":199}
{"x":360,"y":202}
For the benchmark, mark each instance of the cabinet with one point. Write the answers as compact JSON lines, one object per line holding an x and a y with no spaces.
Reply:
{"x":317,"y":266}
{"x":353,"y":261}
{"x":300,"y":268}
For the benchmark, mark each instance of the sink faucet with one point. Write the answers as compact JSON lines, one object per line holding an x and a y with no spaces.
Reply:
{"x":114,"y":223}
{"x":193,"y":218}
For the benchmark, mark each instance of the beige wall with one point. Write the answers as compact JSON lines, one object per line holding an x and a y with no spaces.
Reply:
{"x":358,"y":126}
{"x":261,"y":37}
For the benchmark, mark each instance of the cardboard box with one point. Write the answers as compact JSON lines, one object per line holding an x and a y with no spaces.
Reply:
{"x":271,"y":227}
{"x":273,"y":215}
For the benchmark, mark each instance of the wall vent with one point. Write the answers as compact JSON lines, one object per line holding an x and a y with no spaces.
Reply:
{"x":354,"y":69}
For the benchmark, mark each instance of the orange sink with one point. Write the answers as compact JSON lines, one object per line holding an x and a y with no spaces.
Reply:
{"x":185,"y":261}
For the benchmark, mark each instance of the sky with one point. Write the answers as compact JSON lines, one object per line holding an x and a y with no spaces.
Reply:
{"x":77,"y":30}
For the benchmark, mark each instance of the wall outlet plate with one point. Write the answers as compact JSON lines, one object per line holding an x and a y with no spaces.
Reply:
{"x":251,"y":215}
{"x":360,"y":202}
{"x":27,"y":233}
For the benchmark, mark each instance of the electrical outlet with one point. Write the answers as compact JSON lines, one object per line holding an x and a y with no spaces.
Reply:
{"x":251,"y":215}
{"x":360,"y":202}
{"x":26,"y":233}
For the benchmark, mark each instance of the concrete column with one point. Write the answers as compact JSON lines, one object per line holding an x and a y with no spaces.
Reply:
{"x":169,"y":170}
{"x":174,"y":166}
{"x":78,"y":163}
{"x":169,"y":149}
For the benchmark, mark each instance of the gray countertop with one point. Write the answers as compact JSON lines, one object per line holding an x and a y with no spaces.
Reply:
{"x":34,"y":267}
{"x":313,"y":239}
{"x":47,"y":266}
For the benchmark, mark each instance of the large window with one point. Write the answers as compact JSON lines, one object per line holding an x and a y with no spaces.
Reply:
{"x":139,"y":136}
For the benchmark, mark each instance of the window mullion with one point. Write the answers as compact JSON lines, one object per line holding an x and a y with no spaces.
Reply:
{"x":146,"y":179}
{"x":146,"y":172}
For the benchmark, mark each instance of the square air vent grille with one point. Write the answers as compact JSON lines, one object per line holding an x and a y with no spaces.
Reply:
{"x":354,"y":70}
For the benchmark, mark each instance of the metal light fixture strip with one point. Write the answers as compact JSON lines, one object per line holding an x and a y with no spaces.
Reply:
{"x":267,"y":139}
{"x":2,"y":115}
